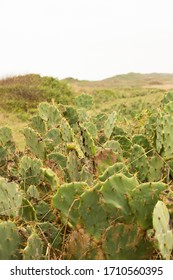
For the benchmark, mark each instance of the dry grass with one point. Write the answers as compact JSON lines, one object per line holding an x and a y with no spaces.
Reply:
{"x":16,"y":125}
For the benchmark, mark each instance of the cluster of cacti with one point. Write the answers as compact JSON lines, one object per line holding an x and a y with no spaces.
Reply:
{"x":86,"y":189}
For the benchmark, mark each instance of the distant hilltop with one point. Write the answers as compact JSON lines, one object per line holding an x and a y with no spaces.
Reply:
{"x":155,"y":80}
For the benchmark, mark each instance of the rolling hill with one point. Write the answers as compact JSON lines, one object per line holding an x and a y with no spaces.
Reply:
{"x":153,"y":80}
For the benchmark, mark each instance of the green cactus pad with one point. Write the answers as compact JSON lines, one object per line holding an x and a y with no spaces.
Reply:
{"x":87,"y":142}
{"x":115,"y":146}
{"x":30,"y":171}
{"x":33,"y":193}
{"x":115,"y":191}
{"x":38,"y":124}
{"x":163,"y":234}
{"x":99,"y":120}
{"x":126,"y":242}
{"x":10,"y":199}
{"x":5,"y":135}
{"x":84,"y":101}
{"x":91,"y":128}
{"x":66,"y":131}
{"x":156,"y":166}
{"x":159,"y":133}
{"x":167,"y":98}
{"x":109,"y":124}
{"x":168,"y":108}
{"x":142,"y":141}
{"x":71,"y":115}
{"x":167,"y":152}
{"x":139,"y":162}
{"x":44,"y":212}
{"x":52,"y":139}
{"x":142,"y":200}
{"x":118,"y":167}
{"x":125,"y":143}
{"x":34,"y":248}
{"x":49,"y":113}
{"x":58,"y":158}
{"x":86,"y":175}
{"x":83,"y":115}
{"x":72,"y":166}
{"x":93,"y":217}
{"x":27,"y":211}
{"x":67,"y":201}
{"x":10,"y":241}
{"x":118,"y":131}
{"x":35,"y":143}
{"x":74,"y":146}
{"x":50,"y":178}
{"x":103,"y":159}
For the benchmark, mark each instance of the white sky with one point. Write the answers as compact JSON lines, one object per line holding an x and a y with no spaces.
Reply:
{"x":85,"y":39}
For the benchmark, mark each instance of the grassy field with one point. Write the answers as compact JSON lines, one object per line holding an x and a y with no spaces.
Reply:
{"x":131,"y":95}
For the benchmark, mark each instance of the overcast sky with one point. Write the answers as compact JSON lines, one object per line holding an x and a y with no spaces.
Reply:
{"x":85,"y":39}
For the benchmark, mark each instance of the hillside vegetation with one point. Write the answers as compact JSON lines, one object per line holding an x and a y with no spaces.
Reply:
{"x":22,"y":94}
{"x":131,"y":95}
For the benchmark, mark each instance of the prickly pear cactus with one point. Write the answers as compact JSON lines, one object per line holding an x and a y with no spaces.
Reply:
{"x":34,"y":248}
{"x":52,"y":139}
{"x":167,"y":98}
{"x":109,"y":124}
{"x":103,"y":159}
{"x":71,"y":115}
{"x":50,"y":178}
{"x":72,"y":166}
{"x":66,"y":131}
{"x":87,"y":142}
{"x":115,"y":146}
{"x":156,"y":168}
{"x":139,"y":162}
{"x":44,"y":212}
{"x":118,"y":167}
{"x":126,"y":242}
{"x":27,"y":211}
{"x":84,"y":101}
{"x":10,"y":241}
{"x":38,"y":124}
{"x":125,"y":143}
{"x":168,"y":108}
{"x":167,"y":136}
{"x":142,"y":141}
{"x":49,"y":113}
{"x":87,"y":184}
{"x":30,"y":171}
{"x":6,"y":139}
{"x":163,"y":233}
{"x":115,"y":192}
{"x":10,"y":199}
{"x":58,"y":159}
{"x":33,"y":193}
{"x":92,"y":215}
{"x":92,"y":129}
{"x":35,"y":143}
{"x":142,"y":200}
{"x":67,"y":201}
